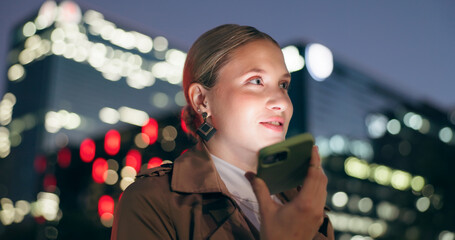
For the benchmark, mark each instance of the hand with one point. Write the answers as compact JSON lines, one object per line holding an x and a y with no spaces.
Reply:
{"x":300,"y":218}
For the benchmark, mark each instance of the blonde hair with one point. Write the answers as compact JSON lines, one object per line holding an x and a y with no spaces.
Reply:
{"x":209,"y":53}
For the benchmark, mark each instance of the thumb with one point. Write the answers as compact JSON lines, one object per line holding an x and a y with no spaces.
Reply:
{"x":261,"y":191}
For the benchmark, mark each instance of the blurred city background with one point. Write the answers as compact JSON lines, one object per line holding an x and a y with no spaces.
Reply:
{"x":90,"y":95}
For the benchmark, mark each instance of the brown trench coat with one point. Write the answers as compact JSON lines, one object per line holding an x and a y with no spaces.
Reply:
{"x":186,"y":200}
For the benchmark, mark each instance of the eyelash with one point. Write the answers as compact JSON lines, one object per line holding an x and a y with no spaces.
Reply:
{"x":285,"y":83}
{"x":254,"y":79}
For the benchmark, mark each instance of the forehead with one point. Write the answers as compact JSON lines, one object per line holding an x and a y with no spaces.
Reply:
{"x":259,"y":54}
{"x":256,"y":48}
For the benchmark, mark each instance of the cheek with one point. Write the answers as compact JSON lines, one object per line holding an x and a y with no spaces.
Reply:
{"x":234,"y":109}
{"x":290,"y":109}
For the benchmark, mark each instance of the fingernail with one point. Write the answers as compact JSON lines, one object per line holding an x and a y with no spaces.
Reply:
{"x":250,"y":176}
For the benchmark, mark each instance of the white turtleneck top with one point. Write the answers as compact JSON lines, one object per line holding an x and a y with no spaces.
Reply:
{"x":240,"y":189}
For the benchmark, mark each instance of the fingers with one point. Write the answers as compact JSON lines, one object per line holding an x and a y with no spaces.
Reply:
{"x":314,"y":188}
{"x":315,"y":159}
{"x":261,"y":191}
{"x":316,"y":179}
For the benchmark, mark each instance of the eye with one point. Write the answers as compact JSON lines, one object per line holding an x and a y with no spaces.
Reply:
{"x":256,"y":81}
{"x":285,"y":85}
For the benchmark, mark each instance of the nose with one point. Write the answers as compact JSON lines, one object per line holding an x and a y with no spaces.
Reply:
{"x":279,"y":101}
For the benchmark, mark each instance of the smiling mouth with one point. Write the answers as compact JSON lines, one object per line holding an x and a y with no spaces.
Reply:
{"x":275,"y":123}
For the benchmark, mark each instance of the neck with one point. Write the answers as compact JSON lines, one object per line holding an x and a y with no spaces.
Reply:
{"x":242,"y":158}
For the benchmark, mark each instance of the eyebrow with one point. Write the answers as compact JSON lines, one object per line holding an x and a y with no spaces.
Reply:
{"x":259,"y":70}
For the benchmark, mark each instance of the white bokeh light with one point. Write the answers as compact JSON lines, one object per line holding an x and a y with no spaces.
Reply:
{"x":319,"y":60}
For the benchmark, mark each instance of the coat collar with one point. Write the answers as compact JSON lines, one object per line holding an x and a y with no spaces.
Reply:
{"x":194,"y":172}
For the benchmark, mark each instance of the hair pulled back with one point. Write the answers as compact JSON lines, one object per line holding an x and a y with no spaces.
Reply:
{"x":209,"y":53}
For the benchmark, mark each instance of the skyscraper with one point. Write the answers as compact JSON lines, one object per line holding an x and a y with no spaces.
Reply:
{"x":385,"y":154}
{"x":74,"y":75}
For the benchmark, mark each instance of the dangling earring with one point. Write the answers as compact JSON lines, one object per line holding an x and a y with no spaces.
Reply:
{"x":206,"y":131}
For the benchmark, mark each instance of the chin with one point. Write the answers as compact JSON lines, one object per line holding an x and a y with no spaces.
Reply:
{"x":269,"y":141}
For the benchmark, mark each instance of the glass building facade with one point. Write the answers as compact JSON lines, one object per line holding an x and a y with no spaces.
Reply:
{"x":387,"y":157}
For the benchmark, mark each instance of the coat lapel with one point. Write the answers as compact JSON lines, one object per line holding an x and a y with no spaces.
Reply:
{"x":194,"y":172}
{"x":227,"y":222}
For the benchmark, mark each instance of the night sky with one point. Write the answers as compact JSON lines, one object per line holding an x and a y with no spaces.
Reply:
{"x":407,"y":45}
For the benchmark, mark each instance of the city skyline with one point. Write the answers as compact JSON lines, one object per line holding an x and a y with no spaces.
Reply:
{"x":406,"y":46}
{"x":65,"y":53}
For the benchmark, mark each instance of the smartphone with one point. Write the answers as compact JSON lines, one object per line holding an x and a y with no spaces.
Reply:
{"x":284,"y":165}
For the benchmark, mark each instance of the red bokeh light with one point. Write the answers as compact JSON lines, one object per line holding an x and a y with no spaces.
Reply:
{"x":184,"y":151}
{"x":64,"y":157}
{"x":40,"y":219}
{"x":105,"y":205}
{"x":150,"y":130}
{"x":120,"y":197}
{"x":87,"y":150}
{"x":134,"y":159}
{"x":182,"y":122}
{"x":154,"y":162}
{"x":49,"y":183}
{"x":112,"y":142}
{"x":99,"y":170}
{"x":40,"y":164}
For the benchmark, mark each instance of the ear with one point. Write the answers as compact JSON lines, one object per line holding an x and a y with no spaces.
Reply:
{"x":198,"y":97}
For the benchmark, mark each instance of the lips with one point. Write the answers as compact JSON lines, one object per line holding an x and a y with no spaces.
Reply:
{"x":274,"y":123}
{"x":274,"y":120}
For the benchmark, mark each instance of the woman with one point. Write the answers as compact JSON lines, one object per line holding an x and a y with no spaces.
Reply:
{"x":235,"y":83}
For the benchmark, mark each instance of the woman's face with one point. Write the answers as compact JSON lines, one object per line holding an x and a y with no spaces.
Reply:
{"x":249,"y":104}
